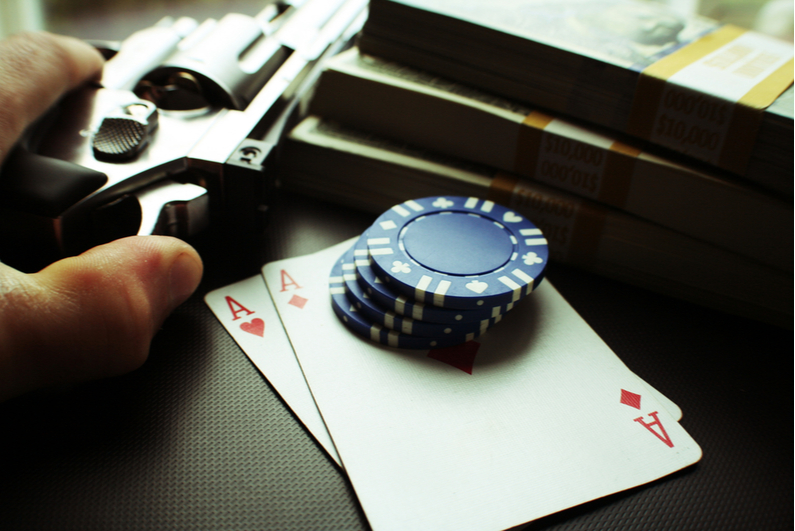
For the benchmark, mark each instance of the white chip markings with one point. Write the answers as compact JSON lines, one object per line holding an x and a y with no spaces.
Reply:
{"x":441,"y":291}
{"x":535,"y":241}
{"x":392,"y":338}
{"x":415,"y":206}
{"x":527,"y":279}
{"x":421,"y":287}
{"x":517,"y":289}
{"x":400,"y":305}
{"x":401,"y":211}
{"x":521,"y":275}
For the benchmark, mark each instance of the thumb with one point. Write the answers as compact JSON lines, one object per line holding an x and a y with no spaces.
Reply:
{"x":92,"y":315}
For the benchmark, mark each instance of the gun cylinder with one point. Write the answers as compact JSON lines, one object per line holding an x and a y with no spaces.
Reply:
{"x":231,"y":61}
{"x":143,"y":51}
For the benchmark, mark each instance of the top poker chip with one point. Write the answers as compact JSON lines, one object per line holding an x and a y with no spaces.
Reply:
{"x":458,"y":252}
{"x":401,"y":304}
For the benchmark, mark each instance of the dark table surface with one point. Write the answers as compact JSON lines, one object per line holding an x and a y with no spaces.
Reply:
{"x":198,"y":439}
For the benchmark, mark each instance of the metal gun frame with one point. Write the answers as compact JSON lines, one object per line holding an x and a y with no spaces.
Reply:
{"x":225,"y":92}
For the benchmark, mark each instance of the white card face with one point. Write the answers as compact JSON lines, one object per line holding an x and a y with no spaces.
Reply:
{"x":247,"y":312}
{"x":535,"y":416}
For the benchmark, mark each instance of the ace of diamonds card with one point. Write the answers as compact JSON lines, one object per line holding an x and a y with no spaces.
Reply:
{"x":535,"y":416}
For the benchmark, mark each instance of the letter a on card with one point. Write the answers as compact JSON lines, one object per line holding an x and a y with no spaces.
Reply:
{"x":285,"y":283}
{"x":662,"y":434}
{"x":236,"y":308}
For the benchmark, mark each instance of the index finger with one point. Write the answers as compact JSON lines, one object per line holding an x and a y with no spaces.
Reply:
{"x":36,"y":69}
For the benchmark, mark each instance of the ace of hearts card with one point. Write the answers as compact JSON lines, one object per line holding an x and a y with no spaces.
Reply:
{"x":247,"y":312}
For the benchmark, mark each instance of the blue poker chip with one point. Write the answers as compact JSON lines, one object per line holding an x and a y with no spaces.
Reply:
{"x":356,"y":321}
{"x":396,"y":302}
{"x":458,"y":252}
{"x":406,"y":325}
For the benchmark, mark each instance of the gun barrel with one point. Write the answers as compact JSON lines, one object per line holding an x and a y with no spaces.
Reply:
{"x":143,"y":51}
{"x":336,"y":26}
{"x":230,"y":59}
{"x":266,"y":18}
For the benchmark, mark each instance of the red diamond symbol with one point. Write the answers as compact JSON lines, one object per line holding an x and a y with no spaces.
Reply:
{"x":460,"y":356}
{"x":631,"y":399}
{"x":298,"y":301}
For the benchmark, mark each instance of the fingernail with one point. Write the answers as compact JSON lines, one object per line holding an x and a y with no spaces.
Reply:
{"x":186,"y":273}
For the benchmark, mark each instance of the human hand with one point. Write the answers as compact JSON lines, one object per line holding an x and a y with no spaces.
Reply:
{"x":93,"y":315}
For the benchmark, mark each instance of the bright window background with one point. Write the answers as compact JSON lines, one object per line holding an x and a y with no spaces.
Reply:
{"x":110,"y":19}
{"x":116,"y":19}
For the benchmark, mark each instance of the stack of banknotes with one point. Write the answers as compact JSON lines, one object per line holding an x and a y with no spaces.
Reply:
{"x":716,"y":93}
{"x":386,"y":129}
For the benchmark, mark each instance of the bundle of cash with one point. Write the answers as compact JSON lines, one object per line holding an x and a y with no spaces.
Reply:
{"x":414,"y":107}
{"x":712,"y":92}
{"x":370,"y":173}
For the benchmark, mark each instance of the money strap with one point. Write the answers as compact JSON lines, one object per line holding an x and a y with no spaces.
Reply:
{"x":574,"y":159}
{"x":707,"y":99}
{"x":572,"y":227}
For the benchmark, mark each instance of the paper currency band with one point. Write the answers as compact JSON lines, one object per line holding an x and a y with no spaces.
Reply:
{"x":707,"y":99}
{"x":612,"y":176}
{"x":573,"y":228}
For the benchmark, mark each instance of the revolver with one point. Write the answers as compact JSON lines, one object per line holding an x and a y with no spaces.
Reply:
{"x":178,"y":134}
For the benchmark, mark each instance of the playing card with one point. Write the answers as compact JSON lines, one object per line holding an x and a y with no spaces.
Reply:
{"x":274,"y":358}
{"x":535,"y":416}
{"x":247,"y":312}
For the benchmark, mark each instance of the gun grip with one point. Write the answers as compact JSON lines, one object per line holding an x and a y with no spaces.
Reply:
{"x":45,"y":186}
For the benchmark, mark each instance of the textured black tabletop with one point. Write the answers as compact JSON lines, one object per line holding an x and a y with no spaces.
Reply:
{"x":197,"y":439}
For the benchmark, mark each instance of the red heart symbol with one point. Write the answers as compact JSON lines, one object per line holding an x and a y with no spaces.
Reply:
{"x":256,"y":327}
{"x":460,"y":356}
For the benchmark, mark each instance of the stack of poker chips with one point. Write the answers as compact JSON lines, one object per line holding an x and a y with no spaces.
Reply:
{"x":437,"y":272}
